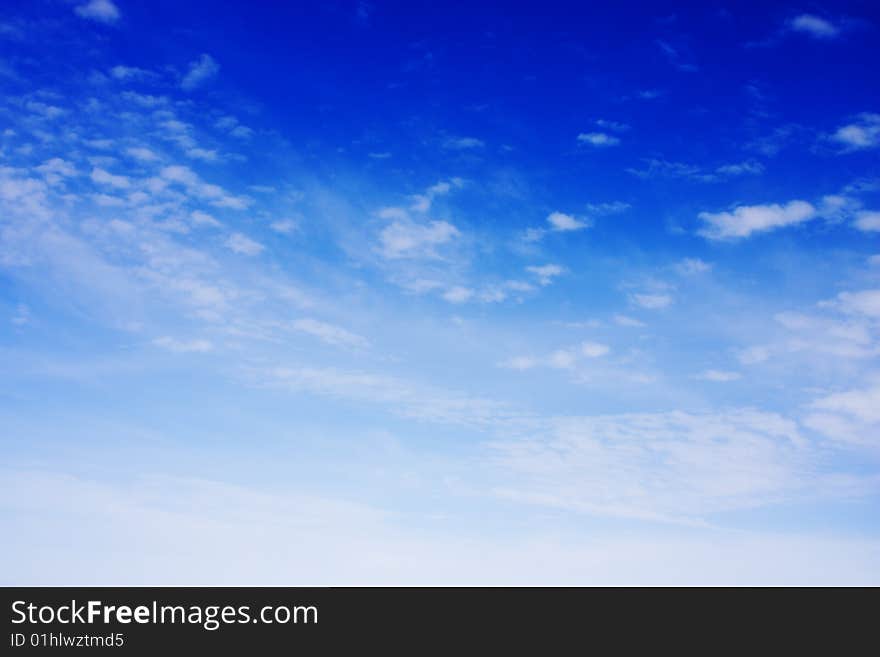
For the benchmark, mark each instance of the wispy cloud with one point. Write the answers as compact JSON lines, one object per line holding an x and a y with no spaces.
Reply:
{"x":103,"y":11}
{"x":599,"y":139}
{"x":814,"y":26}
{"x":200,"y":71}
{"x":862,"y":134}
{"x":749,"y":219}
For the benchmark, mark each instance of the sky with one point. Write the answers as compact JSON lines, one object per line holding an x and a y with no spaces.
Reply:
{"x":439,"y":293}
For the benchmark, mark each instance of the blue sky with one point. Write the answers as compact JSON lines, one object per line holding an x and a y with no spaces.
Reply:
{"x":366,"y":292}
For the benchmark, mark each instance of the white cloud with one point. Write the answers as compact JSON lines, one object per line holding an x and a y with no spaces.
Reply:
{"x":864,"y":302}
{"x":103,"y":11}
{"x":422,"y":202}
{"x":189,"y":179}
{"x":594,"y":349}
{"x":565,"y":222}
{"x":463,"y":143}
{"x":623,"y":320}
{"x":183,"y":346}
{"x":458,"y":294}
{"x":407,"y":239}
{"x":660,"y":168}
{"x":45,"y":110}
{"x":284,"y":226}
{"x":128,"y":72}
{"x":612,"y":207}
{"x":868,"y":221}
{"x":814,"y":26}
{"x":860,"y":135}
{"x":203,"y":219}
{"x":754,"y":355}
{"x":612,"y":125}
{"x":560,"y":359}
{"x":816,"y":334}
{"x":142,"y":154}
{"x":244,"y":245}
{"x":56,"y":169}
{"x":735,"y":460}
{"x":740,"y":168}
{"x":850,"y":417}
{"x":719,"y":376}
{"x":204,"y":154}
{"x":333,"y":335}
{"x":598,"y":139}
{"x":545,"y":273}
{"x":651,"y":301}
{"x":22,"y":315}
{"x":200,"y":71}
{"x":521,"y":363}
{"x":692,"y":266}
{"x":235,"y":129}
{"x":103,"y":177}
{"x":748,"y":219}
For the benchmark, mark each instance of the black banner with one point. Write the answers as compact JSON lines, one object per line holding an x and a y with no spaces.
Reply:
{"x":175,"y":620}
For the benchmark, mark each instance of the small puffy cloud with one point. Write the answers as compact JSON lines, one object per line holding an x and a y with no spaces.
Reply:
{"x":868,"y":221}
{"x":614,"y":126}
{"x":754,"y":355}
{"x":862,"y":134}
{"x":692,"y":266}
{"x":565,"y":222}
{"x":594,"y":349}
{"x":284,"y":226}
{"x":521,"y":363}
{"x":195,"y":186}
{"x":202,"y":154}
{"x":651,"y":301}
{"x":814,"y":26}
{"x":748,"y":219}
{"x":55,"y":169}
{"x":244,"y":245}
{"x":404,"y":238}
{"x":660,"y":168}
{"x":142,"y":154}
{"x":597,"y":139}
{"x":611,"y":207}
{"x":463,"y":143}
{"x":623,"y":320}
{"x":183,"y":346}
{"x":231,"y":125}
{"x":852,"y":416}
{"x":458,"y":294}
{"x":545,"y":273}
{"x":863,"y":302}
{"x":103,"y":11}
{"x":128,"y":73}
{"x":749,"y":167}
{"x":560,"y":359}
{"x":45,"y":110}
{"x":102,"y":177}
{"x":21,"y":316}
{"x":333,"y":335}
{"x":200,"y":71}
{"x":422,"y":202}
{"x":719,"y":376}
{"x":203,"y":219}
